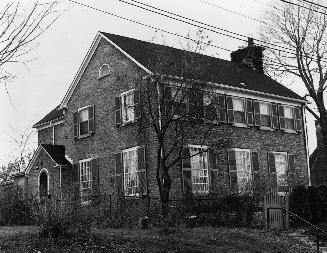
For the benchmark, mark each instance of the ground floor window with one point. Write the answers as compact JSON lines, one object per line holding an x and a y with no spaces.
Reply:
{"x":196,"y":169}
{"x":240,"y":171}
{"x":131,"y":182}
{"x":85,"y":180}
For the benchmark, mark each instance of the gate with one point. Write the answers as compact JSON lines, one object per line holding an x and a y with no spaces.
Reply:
{"x":276,"y":218}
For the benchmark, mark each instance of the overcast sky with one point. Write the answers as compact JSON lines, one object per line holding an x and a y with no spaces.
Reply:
{"x":41,"y":86}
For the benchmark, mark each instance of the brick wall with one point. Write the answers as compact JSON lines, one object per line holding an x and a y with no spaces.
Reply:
{"x":109,"y":139}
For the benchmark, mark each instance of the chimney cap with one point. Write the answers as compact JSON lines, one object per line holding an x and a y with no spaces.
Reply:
{"x":250,"y":42}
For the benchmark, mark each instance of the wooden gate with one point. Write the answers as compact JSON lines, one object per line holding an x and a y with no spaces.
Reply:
{"x":276,"y":218}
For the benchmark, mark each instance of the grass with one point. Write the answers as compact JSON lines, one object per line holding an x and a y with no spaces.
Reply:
{"x":202,"y":239}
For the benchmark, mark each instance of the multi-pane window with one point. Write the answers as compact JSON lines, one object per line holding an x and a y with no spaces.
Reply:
{"x":289,"y":117}
{"x":134,"y":171}
{"x":281,"y":169}
{"x":199,"y":169}
{"x":127,"y":107}
{"x":83,"y":116}
{"x":85,"y":172}
{"x":265,"y":114}
{"x":127,"y":100}
{"x":83,"y":121}
{"x":104,"y":70}
{"x":179,"y":100}
{"x":239,"y":110}
{"x":240,"y":170}
{"x":195,"y":169}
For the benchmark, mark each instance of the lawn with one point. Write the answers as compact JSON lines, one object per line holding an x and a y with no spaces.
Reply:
{"x":152,"y":240}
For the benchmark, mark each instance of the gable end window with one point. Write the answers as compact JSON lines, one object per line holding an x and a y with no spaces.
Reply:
{"x":104,"y":71}
{"x":84,"y":122}
{"x":127,"y":108}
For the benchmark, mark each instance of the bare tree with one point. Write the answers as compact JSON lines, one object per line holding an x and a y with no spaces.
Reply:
{"x":20,"y":28}
{"x":298,"y":31}
{"x":179,"y":112}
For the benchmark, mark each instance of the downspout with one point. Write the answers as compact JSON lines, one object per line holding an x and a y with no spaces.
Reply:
{"x":53,"y":133}
{"x":60,"y":175}
{"x":306,"y":142}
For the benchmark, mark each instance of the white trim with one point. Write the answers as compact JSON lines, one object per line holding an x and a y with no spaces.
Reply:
{"x":81,"y":70}
{"x":305,"y":130}
{"x":99,"y":74}
{"x":36,"y":154}
{"x":126,"y":54}
{"x":197,"y":146}
{"x":50,"y":123}
{"x":80,"y":178}
{"x":239,"y":149}
{"x":245,"y":93}
{"x":82,"y":108}
{"x":86,"y":61}
{"x":48,"y":183}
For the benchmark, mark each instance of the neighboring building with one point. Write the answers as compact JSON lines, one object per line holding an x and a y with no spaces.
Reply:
{"x":318,"y":161}
{"x":92,"y":136}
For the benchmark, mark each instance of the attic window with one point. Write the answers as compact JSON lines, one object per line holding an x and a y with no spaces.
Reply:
{"x":104,"y":71}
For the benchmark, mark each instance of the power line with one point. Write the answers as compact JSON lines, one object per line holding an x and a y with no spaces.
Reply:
{"x":301,"y":6}
{"x":310,"y":2}
{"x":263,"y":43}
{"x":231,"y":11}
{"x":146,"y":25}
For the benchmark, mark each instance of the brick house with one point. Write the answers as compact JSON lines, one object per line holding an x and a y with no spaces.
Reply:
{"x":91,"y":138}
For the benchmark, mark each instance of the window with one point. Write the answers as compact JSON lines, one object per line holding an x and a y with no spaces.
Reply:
{"x":281,"y":170}
{"x":179,"y":100}
{"x":262,"y":114}
{"x":127,"y":100}
{"x":85,"y":172}
{"x":104,"y":71}
{"x":196,"y":169}
{"x":240,"y":170}
{"x":236,"y":110}
{"x":286,"y":117}
{"x":214,"y":107}
{"x":134,"y":171}
{"x":127,"y":108}
{"x":83,"y":121}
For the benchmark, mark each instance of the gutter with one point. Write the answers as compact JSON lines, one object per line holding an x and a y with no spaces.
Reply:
{"x":236,"y":88}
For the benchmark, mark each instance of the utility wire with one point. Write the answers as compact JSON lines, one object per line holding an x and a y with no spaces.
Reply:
{"x":310,"y":2}
{"x":203,"y":26}
{"x":231,"y":11}
{"x":299,"y":5}
{"x":146,"y":25}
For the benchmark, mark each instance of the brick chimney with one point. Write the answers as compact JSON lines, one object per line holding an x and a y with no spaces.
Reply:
{"x":318,"y":134}
{"x":250,"y":56}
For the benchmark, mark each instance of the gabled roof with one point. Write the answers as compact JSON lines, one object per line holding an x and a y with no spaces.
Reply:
{"x":159,"y":59}
{"x":205,"y":68}
{"x":55,"y":114}
{"x":55,"y":152}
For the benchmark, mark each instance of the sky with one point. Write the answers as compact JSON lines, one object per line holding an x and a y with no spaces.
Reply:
{"x":41,"y":84}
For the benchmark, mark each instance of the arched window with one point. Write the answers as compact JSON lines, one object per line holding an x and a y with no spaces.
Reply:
{"x":43,"y":183}
{"x":104,"y":71}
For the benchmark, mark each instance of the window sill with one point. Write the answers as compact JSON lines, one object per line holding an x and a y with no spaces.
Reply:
{"x":127,"y":123}
{"x":84,"y":136}
{"x":267,"y":128}
{"x":100,"y":77}
{"x":240,"y":125}
{"x":289,"y":131}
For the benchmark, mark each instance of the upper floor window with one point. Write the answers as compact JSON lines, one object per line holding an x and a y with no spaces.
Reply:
{"x":127,"y":107}
{"x":236,"y":110}
{"x":265,"y":114}
{"x":104,"y":71}
{"x":83,"y":121}
{"x":290,"y":118}
{"x":179,"y":100}
{"x":214,"y":107}
{"x":240,"y":170}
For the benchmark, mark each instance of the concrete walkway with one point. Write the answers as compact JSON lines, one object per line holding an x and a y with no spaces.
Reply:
{"x":12,"y":230}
